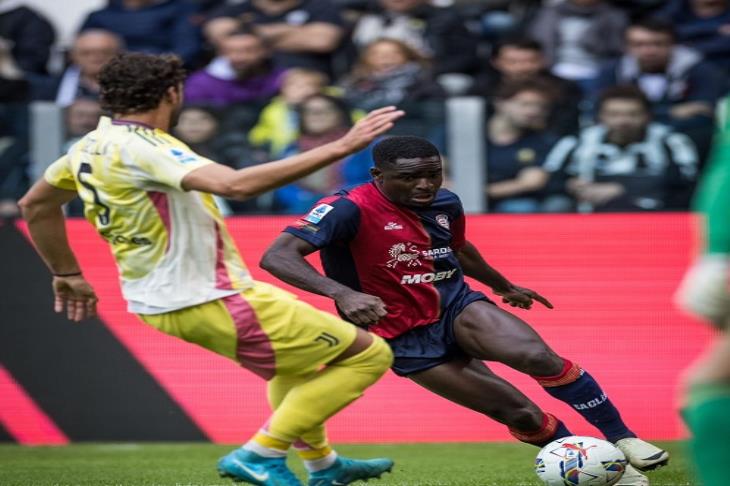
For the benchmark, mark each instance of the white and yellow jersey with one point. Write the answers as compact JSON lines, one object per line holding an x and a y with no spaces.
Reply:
{"x":171,"y":246}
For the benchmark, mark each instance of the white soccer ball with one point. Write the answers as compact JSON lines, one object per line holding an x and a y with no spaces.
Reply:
{"x":580,"y":461}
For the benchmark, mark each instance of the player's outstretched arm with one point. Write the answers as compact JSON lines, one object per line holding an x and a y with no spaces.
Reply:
{"x":476,"y":267}
{"x":41,"y":208}
{"x":252,"y":181}
{"x":285,"y":260}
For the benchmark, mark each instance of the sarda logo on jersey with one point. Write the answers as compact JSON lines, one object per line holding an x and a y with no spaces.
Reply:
{"x":409,"y":254}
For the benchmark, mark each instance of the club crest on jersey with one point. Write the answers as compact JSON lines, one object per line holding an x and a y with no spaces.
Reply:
{"x":406,"y":253}
{"x":182,"y":156}
{"x":443,"y":220}
{"x":392,"y":226}
{"x":319,"y":212}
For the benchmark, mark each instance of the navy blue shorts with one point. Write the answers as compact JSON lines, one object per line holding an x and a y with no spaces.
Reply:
{"x":427,"y":346}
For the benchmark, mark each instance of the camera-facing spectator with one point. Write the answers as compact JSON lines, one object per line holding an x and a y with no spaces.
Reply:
{"x":578,"y":36}
{"x":323,"y":119}
{"x":242,"y":72}
{"x":153,"y":26}
{"x":682,"y":88}
{"x":703,"y":25}
{"x":91,"y":50}
{"x":436,"y":33}
{"x":389,"y":72}
{"x":517,"y":143}
{"x":625,"y":162}
{"x":28,"y":34}
{"x":301,"y":33}
{"x":82,"y":116}
{"x":278,"y":123}
{"x":518,"y":59}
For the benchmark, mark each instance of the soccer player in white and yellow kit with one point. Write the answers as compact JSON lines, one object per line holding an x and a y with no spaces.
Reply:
{"x":150,"y":197}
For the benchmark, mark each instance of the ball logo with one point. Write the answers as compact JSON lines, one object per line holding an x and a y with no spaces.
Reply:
{"x":404,"y":253}
{"x":443,"y":220}
{"x":573,"y":454}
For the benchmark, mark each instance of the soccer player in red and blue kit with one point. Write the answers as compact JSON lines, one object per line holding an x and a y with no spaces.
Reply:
{"x":395,"y":256}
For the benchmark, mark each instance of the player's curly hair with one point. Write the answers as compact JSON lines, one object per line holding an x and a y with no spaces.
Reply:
{"x":136,"y":82}
{"x":389,"y":150}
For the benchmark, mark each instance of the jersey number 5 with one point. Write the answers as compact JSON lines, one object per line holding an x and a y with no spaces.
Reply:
{"x":104,"y":211}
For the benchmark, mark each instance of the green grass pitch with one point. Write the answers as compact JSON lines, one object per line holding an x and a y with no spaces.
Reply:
{"x":169,"y":464}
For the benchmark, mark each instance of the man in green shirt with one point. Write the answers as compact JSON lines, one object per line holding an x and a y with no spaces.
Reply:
{"x":706,"y":292}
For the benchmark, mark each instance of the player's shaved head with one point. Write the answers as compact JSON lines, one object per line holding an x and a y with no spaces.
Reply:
{"x":386,"y":153}
{"x":137,"y":83}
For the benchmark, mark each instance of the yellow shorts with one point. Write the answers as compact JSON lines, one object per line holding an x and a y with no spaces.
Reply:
{"x":265,"y":329}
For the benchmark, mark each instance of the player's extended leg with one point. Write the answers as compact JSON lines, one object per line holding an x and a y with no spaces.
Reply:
{"x":324,"y":465}
{"x":485,"y":331}
{"x":707,"y":415}
{"x":470,"y":383}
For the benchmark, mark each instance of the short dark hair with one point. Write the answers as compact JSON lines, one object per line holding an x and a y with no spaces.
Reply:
{"x":624,"y":92}
{"x":136,"y":82}
{"x":537,"y":84}
{"x":389,"y":150}
{"x":654,"y":24}
{"x":516,"y":43}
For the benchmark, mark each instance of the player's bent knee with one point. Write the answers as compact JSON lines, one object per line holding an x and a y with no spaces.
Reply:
{"x":376,"y":359}
{"x":541,"y":362}
{"x":525,"y":418}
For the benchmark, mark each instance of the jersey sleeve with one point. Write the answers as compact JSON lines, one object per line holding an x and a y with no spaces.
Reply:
{"x":60,"y":175}
{"x":163,"y":164}
{"x":331,"y":220}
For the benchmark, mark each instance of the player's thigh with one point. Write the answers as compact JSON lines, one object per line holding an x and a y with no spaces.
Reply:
{"x":487,"y":332}
{"x":303,"y":337}
{"x":209,"y":325}
{"x":470,"y":383}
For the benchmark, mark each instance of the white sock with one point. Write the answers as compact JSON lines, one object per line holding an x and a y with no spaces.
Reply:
{"x":264,"y":451}
{"x":320,"y":464}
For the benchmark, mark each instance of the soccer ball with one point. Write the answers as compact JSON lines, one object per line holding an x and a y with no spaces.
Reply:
{"x":580,"y":461}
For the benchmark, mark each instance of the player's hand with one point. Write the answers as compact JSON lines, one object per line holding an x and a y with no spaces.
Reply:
{"x":75,"y":296}
{"x":361,"y":309}
{"x":376,"y":123}
{"x":705,"y":290}
{"x":522,"y":297}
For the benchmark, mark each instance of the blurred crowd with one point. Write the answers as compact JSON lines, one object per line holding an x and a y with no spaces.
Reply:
{"x":591,"y":105}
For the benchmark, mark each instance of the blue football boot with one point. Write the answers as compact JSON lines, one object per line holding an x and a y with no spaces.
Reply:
{"x":346,"y":471}
{"x":249,"y":467}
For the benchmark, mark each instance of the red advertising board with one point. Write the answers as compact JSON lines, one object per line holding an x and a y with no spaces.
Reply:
{"x":610,"y":277}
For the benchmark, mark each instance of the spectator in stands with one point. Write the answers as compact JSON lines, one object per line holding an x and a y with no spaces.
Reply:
{"x":436,"y":33}
{"x":242,"y":72}
{"x":323,"y":118}
{"x":28,"y":34}
{"x":517,"y":59}
{"x":517,"y":143}
{"x":82,"y":116}
{"x":197,"y":126}
{"x":578,"y":35}
{"x":278,"y":124}
{"x":389,"y":72}
{"x":14,"y":86}
{"x":625,"y":162}
{"x":682,"y":88}
{"x":154,"y":26}
{"x":703,"y":25}
{"x":90,"y":51}
{"x":301,"y":33}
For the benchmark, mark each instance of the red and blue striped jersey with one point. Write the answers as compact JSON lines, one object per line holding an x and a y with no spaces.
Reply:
{"x":401,"y":254}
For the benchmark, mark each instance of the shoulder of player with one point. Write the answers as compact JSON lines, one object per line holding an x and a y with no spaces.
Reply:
{"x":445,"y":198}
